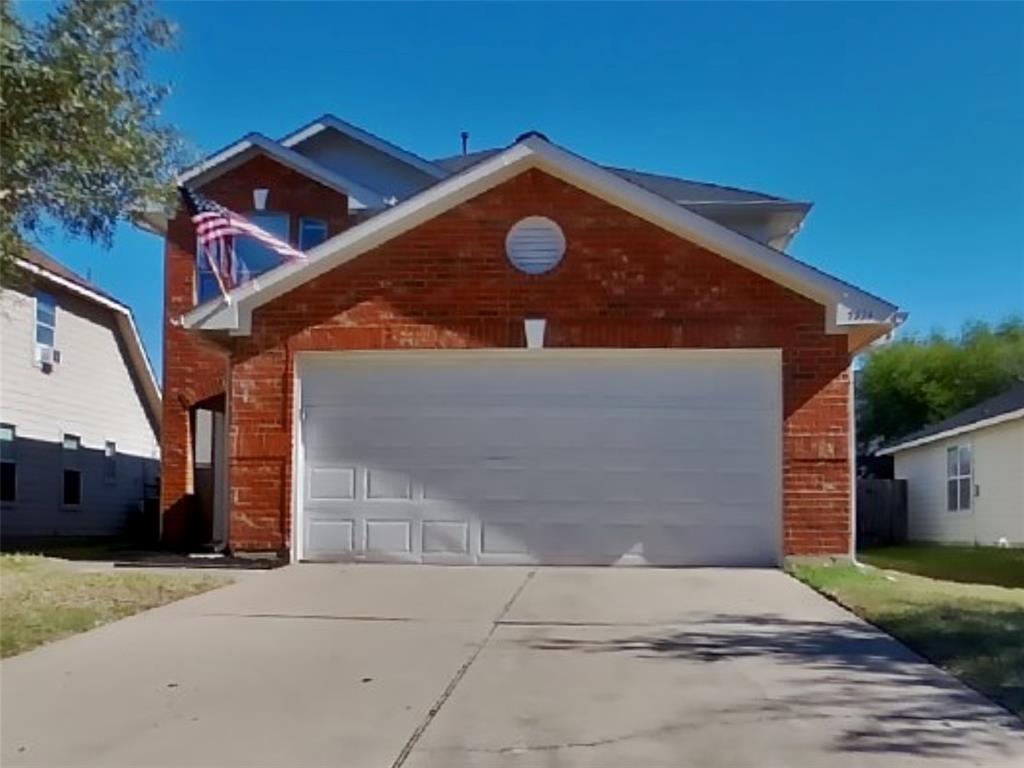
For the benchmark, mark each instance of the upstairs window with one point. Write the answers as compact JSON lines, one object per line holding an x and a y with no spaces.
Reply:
{"x":312,"y":232}
{"x":253,"y":256}
{"x":206,"y":281}
{"x":256,"y":256}
{"x":959,"y":477}
{"x":46,"y":320}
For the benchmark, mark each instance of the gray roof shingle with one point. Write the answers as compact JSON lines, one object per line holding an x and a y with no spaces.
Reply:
{"x":1005,"y":402}
{"x":672,"y":187}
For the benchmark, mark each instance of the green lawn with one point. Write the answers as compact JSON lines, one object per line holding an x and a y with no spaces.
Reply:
{"x":43,"y":599}
{"x":968,"y":565}
{"x":975,"y":631}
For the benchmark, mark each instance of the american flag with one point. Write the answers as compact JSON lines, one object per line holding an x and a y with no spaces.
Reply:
{"x":216,"y":228}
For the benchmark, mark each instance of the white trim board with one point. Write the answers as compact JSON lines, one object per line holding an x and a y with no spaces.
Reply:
{"x":849,"y":307}
{"x":961,"y":430}
{"x":330,"y":122}
{"x":229,"y":157}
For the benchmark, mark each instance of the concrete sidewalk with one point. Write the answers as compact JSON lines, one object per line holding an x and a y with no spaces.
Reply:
{"x":427,"y":666}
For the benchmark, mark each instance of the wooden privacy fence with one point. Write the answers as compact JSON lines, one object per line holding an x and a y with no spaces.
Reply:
{"x":881,"y":512}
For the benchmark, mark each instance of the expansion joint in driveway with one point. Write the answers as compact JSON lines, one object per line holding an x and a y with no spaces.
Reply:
{"x":459,"y":674}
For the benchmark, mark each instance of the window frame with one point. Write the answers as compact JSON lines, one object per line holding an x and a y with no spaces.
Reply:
{"x":321,"y":224}
{"x":203,"y":269}
{"x":956,"y":477}
{"x":39,"y":298}
{"x":254,"y":218}
{"x":8,"y":456}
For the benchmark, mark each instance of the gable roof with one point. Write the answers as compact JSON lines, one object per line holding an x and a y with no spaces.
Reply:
{"x":849,"y":307}
{"x":234,"y":154}
{"x":45,"y":267}
{"x":684,"y":191}
{"x":1005,"y":406}
{"x":333,"y":123}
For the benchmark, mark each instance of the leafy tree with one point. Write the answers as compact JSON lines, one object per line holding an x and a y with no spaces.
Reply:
{"x":918,"y":381}
{"x":81,"y":141}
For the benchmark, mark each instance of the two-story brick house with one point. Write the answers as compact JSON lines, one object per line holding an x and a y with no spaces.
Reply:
{"x":509,"y":356}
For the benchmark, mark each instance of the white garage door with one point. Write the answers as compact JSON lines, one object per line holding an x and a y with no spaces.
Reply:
{"x":541,"y":456}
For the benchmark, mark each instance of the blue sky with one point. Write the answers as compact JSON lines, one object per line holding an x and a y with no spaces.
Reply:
{"x":902,"y":123}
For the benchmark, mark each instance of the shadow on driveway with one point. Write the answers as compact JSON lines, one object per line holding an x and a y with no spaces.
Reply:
{"x":883,"y":697}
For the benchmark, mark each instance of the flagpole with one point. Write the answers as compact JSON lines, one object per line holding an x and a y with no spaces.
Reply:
{"x":216,"y":274}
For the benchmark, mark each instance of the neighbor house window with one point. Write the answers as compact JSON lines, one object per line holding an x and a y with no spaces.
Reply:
{"x":72,"y":488}
{"x":254,"y":255}
{"x":8,"y":465}
{"x":312,"y":232}
{"x":110,"y":461}
{"x":71,"y":485}
{"x":959,"y":477}
{"x":46,"y":320}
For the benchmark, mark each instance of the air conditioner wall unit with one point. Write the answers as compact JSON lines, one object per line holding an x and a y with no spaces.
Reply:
{"x":47,"y":356}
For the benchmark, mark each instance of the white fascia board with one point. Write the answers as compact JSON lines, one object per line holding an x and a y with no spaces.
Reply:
{"x":222,"y":162}
{"x":126,"y":325}
{"x":331,"y":122}
{"x":961,"y":430}
{"x":850,"y":302}
{"x":235,"y":313}
{"x":846,"y":303}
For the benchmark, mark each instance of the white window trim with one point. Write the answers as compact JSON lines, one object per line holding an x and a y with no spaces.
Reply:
{"x":36,"y":344}
{"x":959,"y":477}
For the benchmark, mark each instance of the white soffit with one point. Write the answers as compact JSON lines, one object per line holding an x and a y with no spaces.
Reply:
{"x":849,"y":306}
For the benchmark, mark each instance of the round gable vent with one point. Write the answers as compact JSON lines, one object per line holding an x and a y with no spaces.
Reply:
{"x":535,"y":245}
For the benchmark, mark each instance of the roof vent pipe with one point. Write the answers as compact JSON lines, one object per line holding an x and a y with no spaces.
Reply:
{"x":465,"y":142}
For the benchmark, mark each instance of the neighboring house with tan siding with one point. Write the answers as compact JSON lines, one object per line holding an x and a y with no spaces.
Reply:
{"x":965,"y":475}
{"x":79,"y":407}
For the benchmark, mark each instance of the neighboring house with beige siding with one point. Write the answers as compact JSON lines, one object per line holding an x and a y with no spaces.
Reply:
{"x":965,"y":475}
{"x":79,"y":408}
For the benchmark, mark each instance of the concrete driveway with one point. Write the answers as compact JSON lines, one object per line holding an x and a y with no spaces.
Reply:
{"x":385,"y":666}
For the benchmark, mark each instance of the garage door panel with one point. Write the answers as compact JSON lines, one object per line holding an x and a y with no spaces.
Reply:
{"x":541,"y":459}
{"x":446,"y":537}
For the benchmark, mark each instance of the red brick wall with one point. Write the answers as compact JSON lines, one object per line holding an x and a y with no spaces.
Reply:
{"x":623,"y":283}
{"x":195,"y":369}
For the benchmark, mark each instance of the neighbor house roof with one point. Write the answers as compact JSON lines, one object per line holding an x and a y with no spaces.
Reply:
{"x":1006,"y":406}
{"x":45,"y":267}
{"x":859,"y":314}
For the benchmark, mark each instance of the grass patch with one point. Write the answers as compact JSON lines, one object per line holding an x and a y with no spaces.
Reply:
{"x":973,"y":631}
{"x":43,"y":600}
{"x":967,"y":565}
